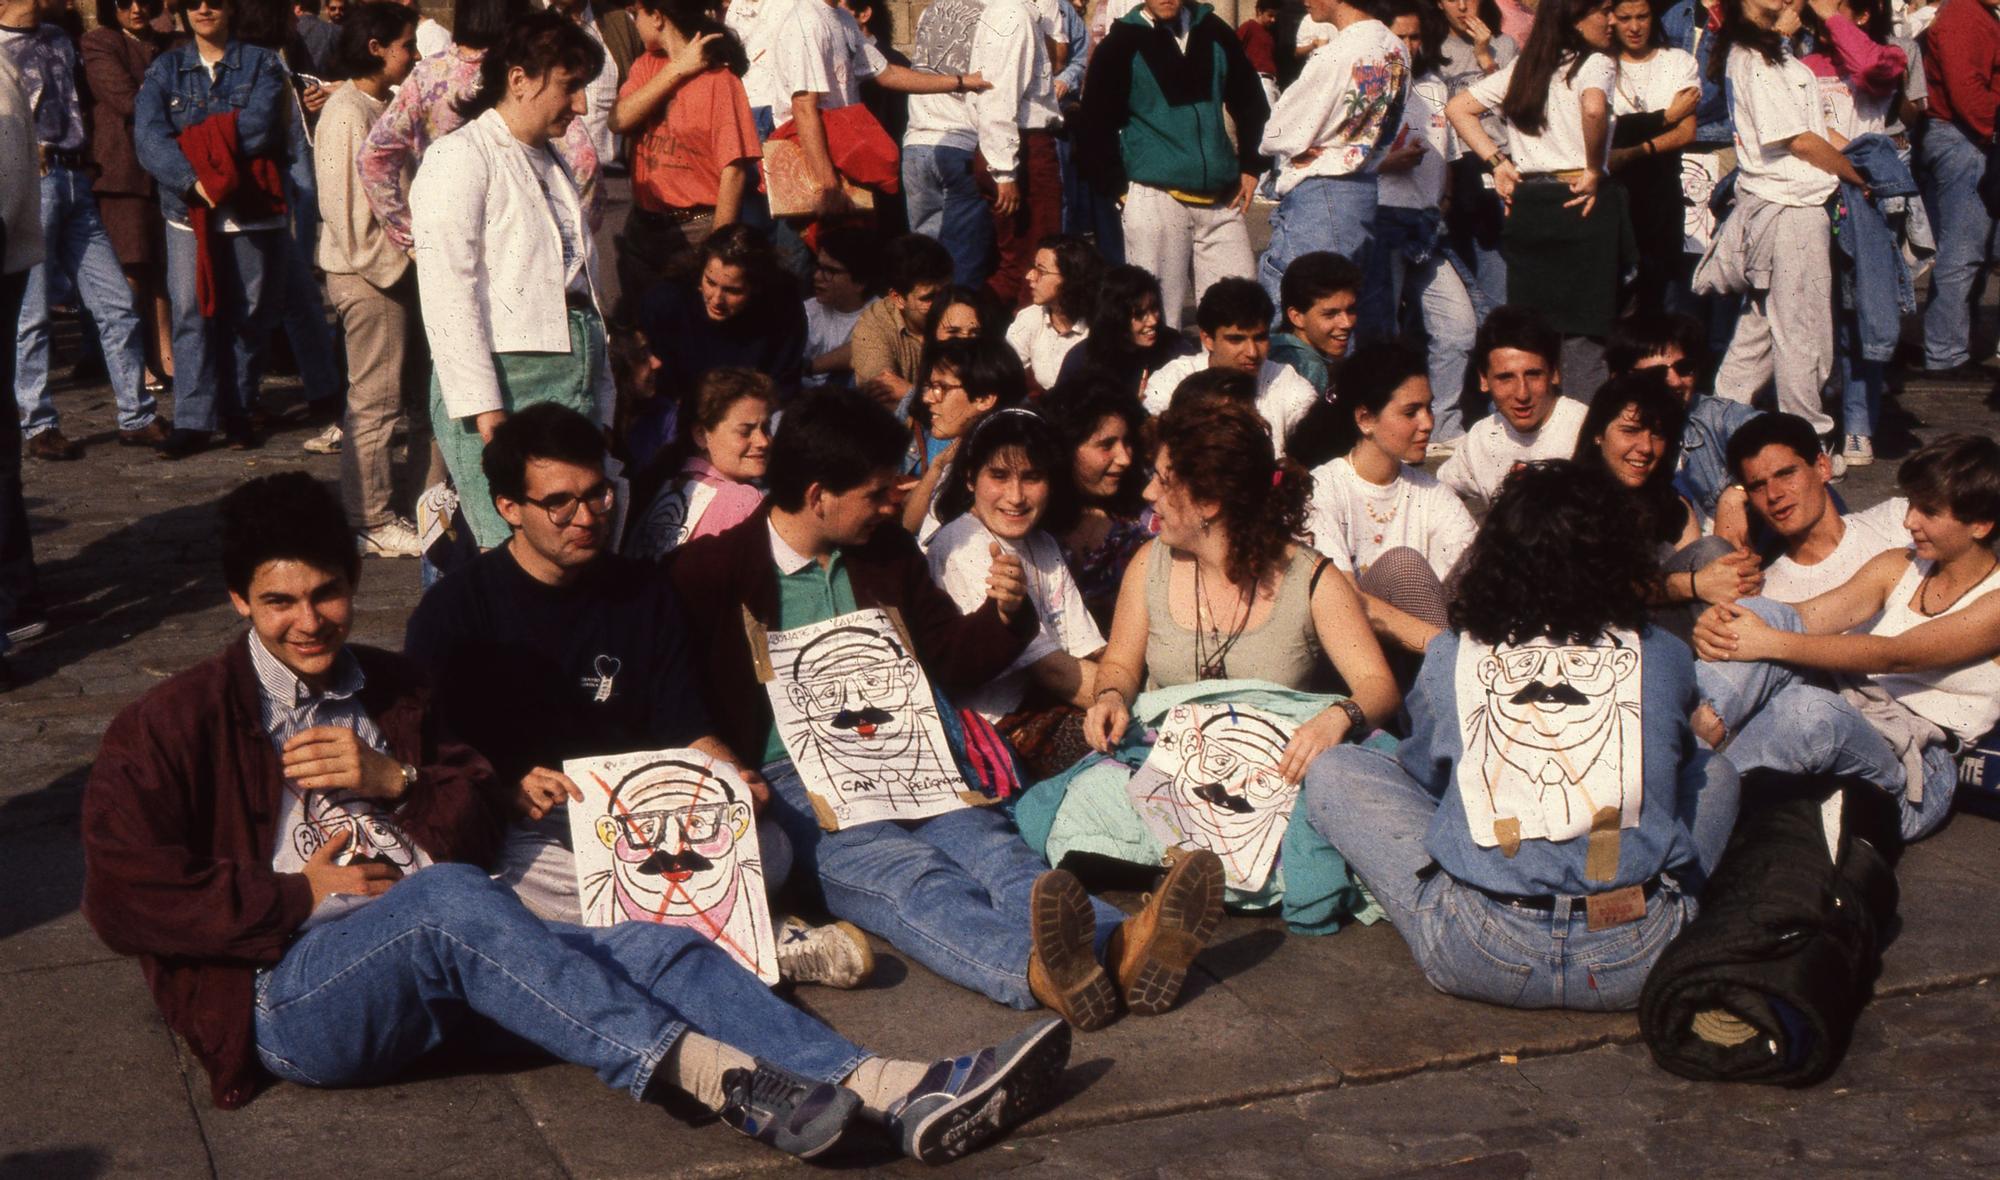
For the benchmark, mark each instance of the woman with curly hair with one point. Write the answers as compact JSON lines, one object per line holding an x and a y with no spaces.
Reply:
{"x":1129,"y":339}
{"x":1222,"y":608}
{"x":1542,"y":834}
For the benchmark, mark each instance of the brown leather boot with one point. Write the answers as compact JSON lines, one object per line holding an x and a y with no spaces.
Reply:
{"x":1063,"y":970}
{"x":1151,"y":951}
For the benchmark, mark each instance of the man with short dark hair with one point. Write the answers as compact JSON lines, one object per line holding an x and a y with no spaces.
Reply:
{"x":1234,"y":319}
{"x":553,"y":647}
{"x":1320,"y":294}
{"x":291,"y":843}
{"x":1783,"y":473}
{"x":888,"y":340}
{"x":1519,"y":357}
{"x":960,"y":892}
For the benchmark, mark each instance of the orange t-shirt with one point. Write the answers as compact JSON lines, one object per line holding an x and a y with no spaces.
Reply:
{"x":705,"y":127}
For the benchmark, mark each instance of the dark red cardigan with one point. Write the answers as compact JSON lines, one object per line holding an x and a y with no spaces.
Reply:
{"x":179,"y":820}
{"x":721,"y":575}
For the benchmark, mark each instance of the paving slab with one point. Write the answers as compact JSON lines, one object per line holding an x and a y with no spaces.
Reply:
{"x":92,"y":1082}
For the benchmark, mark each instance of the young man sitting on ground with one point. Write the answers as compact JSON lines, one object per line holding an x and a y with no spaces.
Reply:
{"x":1321,"y":292}
{"x":1519,"y":358}
{"x":292,"y":845}
{"x":1783,"y":474}
{"x":1234,"y":318}
{"x":553,"y":647}
{"x":960,"y":892}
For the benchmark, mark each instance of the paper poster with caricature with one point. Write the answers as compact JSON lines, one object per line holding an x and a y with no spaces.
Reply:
{"x":857,"y":716}
{"x":669,"y":836}
{"x":1552,"y":739}
{"x":1212,"y":782}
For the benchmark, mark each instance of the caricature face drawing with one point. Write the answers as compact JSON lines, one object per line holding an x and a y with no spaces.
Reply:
{"x":1551,"y":737}
{"x":374,"y":836}
{"x":672,"y":828}
{"x":856,"y":714}
{"x":1220,"y":789}
{"x":854,"y":688}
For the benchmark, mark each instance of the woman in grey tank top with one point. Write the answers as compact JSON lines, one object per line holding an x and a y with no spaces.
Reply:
{"x":1225,"y":593}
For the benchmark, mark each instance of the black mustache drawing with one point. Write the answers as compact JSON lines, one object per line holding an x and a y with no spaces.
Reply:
{"x":685,"y":861}
{"x":856,"y":718}
{"x":371,"y":858}
{"x":1219,"y":795}
{"x":1538,"y":693}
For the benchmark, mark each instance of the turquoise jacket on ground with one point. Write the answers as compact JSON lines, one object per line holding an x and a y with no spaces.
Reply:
{"x":1311,"y":885}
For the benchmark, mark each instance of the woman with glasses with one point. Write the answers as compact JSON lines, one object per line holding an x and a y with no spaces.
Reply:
{"x":225,"y":245}
{"x":1062,"y":290}
{"x":506,"y":270}
{"x":959,"y":383}
{"x":115,"y":56}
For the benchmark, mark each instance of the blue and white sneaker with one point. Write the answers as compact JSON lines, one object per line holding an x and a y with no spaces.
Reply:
{"x":964,"y":1103}
{"x":796,"y":1115}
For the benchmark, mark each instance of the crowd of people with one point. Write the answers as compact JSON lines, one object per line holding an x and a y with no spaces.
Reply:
{"x":1462,"y":478}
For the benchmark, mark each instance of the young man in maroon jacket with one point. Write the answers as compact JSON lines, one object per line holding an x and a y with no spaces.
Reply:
{"x":291,"y":846}
{"x":960,"y":892}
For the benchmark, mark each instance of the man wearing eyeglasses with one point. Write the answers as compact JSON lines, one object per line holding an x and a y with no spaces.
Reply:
{"x":552,"y":647}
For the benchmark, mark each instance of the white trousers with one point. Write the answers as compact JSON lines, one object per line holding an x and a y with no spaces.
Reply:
{"x":1177,"y":242}
{"x":1785,"y":334}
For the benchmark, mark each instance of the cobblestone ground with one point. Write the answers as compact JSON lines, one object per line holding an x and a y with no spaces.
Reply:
{"x":1292,"y":1056}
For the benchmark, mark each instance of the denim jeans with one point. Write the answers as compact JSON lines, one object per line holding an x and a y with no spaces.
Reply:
{"x":942,"y":197}
{"x":1949,"y":167}
{"x":75,"y":244}
{"x":1087,"y":212}
{"x":20,"y":594}
{"x":217,"y":361}
{"x":1451,"y":321}
{"x":1781,"y":721}
{"x":355,"y":1000}
{"x":1470,"y":944}
{"x":1334,"y":213}
{"x":950,"y":892}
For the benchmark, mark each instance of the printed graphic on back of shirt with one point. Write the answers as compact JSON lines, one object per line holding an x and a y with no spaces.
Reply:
{"x":1552,"y":739}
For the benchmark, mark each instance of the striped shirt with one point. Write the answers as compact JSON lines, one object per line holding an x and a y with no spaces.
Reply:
{"x":308,"y":819}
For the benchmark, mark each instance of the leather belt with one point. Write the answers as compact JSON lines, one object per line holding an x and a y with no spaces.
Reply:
{"x":679,"y":215}
{"x":1546,"y":903}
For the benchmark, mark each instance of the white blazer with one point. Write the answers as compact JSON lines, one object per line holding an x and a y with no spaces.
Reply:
{"x":490,"y":263}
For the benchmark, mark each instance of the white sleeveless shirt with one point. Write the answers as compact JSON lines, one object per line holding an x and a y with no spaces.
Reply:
{"x":1964,"y":700}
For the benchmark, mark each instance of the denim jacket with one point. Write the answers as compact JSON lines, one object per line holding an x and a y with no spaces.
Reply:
{"x":1704,"y":469}
{"x":178,"y":93}
{"x":1876,"y":281}
{"x":1713,"y":124}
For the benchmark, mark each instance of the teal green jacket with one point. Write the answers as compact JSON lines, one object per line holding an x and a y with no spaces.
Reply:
{"x":1152,"y":113}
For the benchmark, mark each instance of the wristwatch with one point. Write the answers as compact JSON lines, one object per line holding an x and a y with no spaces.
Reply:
{"x":409,"y":776}
{"x":1357,"y":721}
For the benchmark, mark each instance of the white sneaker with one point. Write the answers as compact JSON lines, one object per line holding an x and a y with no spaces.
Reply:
{"x":398,"y":538}
{"x":835,"y":955}
{"x":1859,"y":451}
{"x":326,"y":442}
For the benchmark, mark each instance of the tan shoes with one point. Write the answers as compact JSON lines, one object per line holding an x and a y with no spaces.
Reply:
{"x":1151,"y":951}
{"x":1148,"y":955}
{"x":1063,"y":970}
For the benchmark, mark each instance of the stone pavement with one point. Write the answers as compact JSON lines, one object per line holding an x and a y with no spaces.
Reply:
{"x":1290,"y":1055}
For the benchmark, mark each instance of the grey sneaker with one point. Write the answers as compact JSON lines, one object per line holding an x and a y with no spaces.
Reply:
{"x":398,"y":538}
{"x":964,"y":1103}
{"x":326,"y":442}
{"x":1859,"y":450}
{"x":834,"y":955}
{"x":777,"y":1107}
